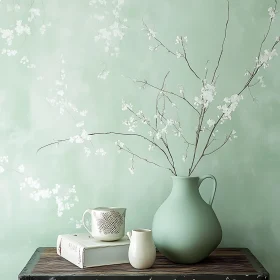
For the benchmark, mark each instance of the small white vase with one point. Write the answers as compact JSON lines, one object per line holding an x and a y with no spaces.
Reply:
{"x":142,"y":250}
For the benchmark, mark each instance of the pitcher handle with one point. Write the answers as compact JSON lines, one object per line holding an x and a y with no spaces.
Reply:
{"x":83,"y":219}
{"x":214,"y":186}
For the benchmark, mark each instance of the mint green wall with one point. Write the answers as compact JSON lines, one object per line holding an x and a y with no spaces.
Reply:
{"x":247,"y":201}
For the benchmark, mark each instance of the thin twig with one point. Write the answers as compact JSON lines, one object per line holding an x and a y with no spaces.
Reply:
{"x":222,"y":50}
{"x":106,"y":133}
{"x":247,"y":84}
{"x":226,"y":140}
{"x":170,"y":92}
{"x":148,"y":161}
{"x":186,"y":59}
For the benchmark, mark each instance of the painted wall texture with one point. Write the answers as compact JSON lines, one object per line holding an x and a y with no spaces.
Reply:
{"x":67,"y":65}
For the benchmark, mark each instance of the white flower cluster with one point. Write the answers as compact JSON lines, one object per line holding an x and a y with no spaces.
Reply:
{"x":178,"y":54}
{"x":9,"y":52}
{"x":3,"y":161}
{"x":211,"y":123}
{"x":59,"y":100}
{"x":8,"y":35}
{"x":261,"y":81}
{"x":232,"y":135}
{"x":272,"y":13}
{"x":208,"y":91}
{"x":126,"y":106}
{"x":103,"y":74}
{"x":131,"y":123}
{"x":179,"y":40}
{"x":21,"y":168}
{"x":78,"y":223}
{"x":80,"y":139}
{"x":116,"y":31}
{"x":31,"y":183}
{"x":34,"y":12}
{"x":87,"y":151}
{"x":150,"y":33}
{"x":22,"y":29}
{"x":44,"y":28}
{"x":100,"y":152}
{"x":153,"y":48}
{"x":25,"y":61}
{"x":265,"y":58}
{"x":229,"y":107}
{"x":66,"y":201}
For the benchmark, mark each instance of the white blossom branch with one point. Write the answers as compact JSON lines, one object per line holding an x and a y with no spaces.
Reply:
{"x":173,"y":53}
{"x":114,"y":133}
{"x":166,"y":91}
{"x":247,"y":85}
{"x":186,"y":59}
{"x":219,"y":147}
{"x":170,"y":157}
{"x":145,"y":159}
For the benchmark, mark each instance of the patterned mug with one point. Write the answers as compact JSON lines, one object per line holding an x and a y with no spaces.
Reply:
{"x":107,"y":223}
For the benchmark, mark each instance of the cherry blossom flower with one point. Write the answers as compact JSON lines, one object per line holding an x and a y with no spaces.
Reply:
{"x":80,"y":124}
{"x":33,"y":14}
{"x":178,"y":54}
{"x":22,"y":29}
{"x":4,"y":159}
{"x":261,"y":81}
{"x":272,"y":13}
{"x":44,"y":28}
{"x":103,"y":75}
{"x":266,"y":57}
{"x":178,"y":40}
{"x":208,"y":91}
{"x":211,"y":122}
{"x":8,"y":35}
{"x":126,"y":106}
{"x":83,"y":113}
{"x":100,"y":151}
{"x":21,"y":168}
{"x":131,"y":170}
{"x":87,"y":151}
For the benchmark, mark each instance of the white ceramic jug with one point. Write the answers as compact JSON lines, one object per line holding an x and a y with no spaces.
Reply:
{"x":142,"y":250}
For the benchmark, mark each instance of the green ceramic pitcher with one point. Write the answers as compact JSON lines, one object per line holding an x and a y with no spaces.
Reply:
{"x":185,"y":228}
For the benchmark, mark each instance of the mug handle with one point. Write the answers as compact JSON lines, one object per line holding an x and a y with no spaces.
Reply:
{"x":214,"y":186}
{"x":83,"y":219}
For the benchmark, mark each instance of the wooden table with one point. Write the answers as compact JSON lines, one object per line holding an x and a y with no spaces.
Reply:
{"x":222,"y":264}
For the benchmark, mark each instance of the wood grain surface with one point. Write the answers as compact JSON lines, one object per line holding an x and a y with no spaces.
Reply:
{"x":227,"y":264}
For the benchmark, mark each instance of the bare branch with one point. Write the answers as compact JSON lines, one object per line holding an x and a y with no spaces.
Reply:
{"x":172,"y":52}
{"x":222,"y":50}
{"x":226,"y":140}
{"x":253,"y":74}
{"x":186,"y":59}
{"x":166,"y":91}
{"x":107,"y":133}
{"x":147,"y":160}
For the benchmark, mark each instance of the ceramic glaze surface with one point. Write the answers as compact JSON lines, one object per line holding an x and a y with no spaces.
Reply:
{"x":185,"y":228}
{"x":142,"y":251}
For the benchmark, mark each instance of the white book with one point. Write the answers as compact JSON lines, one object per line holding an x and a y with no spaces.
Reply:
{"x":83,"y":250}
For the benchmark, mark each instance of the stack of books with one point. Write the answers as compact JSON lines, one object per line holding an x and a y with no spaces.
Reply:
{"x":83,"y":250}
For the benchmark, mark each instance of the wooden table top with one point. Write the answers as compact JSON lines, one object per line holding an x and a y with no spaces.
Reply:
{"x":226,"y":264}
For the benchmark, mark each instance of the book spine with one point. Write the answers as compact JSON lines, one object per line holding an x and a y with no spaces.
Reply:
{"x":70,"y":250}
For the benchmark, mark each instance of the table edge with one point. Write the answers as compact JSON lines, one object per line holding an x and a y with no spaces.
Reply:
{"x":32,"y":262}
{"x":27,"y":270}
{"x":255,"y":262}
